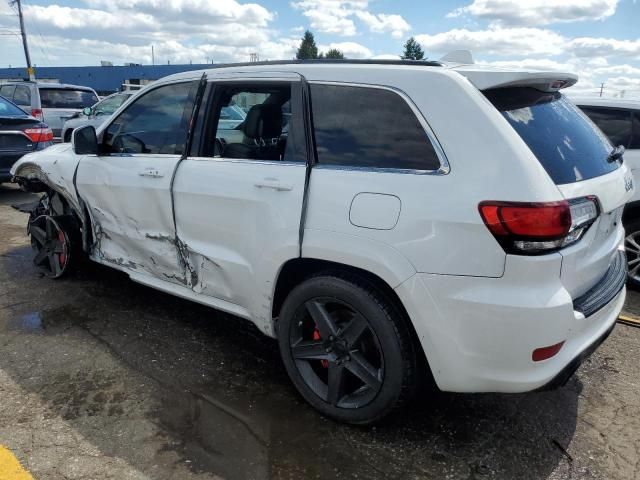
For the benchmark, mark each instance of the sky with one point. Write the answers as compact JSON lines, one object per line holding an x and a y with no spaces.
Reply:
{"x":597,"y":39}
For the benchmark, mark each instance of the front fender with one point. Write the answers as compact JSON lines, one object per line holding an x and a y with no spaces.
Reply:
{"x":52,"y":168}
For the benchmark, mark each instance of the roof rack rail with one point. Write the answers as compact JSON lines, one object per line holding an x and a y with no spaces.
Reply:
{"x":422,"y":63}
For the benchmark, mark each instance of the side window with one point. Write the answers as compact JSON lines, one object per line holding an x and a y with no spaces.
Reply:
{"x":614,"y":123}
{"x":22,"y":96}
{"x":635,"y":140}
{"x":368,"y":127}
{"x":255,"y":122}
{"x":7,"y":91}
{"x":156,"y":123}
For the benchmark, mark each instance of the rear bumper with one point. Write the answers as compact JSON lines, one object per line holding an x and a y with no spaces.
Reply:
{"x":565,"y":374}
{"x":479,"y":333}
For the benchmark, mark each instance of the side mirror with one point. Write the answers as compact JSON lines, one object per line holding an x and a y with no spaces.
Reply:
{"x":84,"y":141}
{"x":86,"y":111}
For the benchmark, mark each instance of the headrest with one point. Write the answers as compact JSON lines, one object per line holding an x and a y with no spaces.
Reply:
{"x":263,"y":121}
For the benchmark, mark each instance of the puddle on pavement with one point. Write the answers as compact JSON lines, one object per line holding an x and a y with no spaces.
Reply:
{"x":268,"y":438}
{"x":29,"y":323}
{"x":44,"y":321}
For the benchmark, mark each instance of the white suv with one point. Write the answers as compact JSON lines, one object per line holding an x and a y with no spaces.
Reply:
{"x":385,"y":221}
{"x":619,"y":120}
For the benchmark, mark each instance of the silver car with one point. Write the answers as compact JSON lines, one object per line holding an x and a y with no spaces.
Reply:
{"x":95,"y":115}
{"x":52,"y":103}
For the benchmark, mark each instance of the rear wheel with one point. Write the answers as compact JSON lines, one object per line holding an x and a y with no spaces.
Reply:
{"x":347,"y":349}
{"x":632,"y":250}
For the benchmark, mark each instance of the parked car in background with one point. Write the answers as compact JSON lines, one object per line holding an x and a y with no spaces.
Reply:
{"x":19,"y":134}
{"x":410,"y":223}
{"x":52,"y":103}
{"x":95,"y":115}
{"x":619,"y":120}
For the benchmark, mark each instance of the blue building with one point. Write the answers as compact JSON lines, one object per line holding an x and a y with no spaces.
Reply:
{"x":105,"y":79}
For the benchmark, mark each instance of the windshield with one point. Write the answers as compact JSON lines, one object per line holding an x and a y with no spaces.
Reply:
{"x":567,"y":144}
{"x":8,"y":109}
{"x":109,"y":104}
{"x":66,"y":98}
{"x":232,"y":112}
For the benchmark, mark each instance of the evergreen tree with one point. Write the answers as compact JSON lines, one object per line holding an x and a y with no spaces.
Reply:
{"x":334,"y":53}
{"x":412,"y":50}
{"x":308,"y":49}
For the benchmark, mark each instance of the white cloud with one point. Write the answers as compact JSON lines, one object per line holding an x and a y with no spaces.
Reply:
{"x":587,"y":47}
{"x":349,"y":49}
{"x":527,"y":41}
{"x":496,"y":41}
{"x":194,"y":11}
{"x":337,"y":17}
{"x":537,"y":12}
{"x":383,"y":23}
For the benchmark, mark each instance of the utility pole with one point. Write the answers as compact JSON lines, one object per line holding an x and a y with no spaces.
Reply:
{"x":30,"y":70}
{"x":153,"y":57}
{"x":601,"y":88}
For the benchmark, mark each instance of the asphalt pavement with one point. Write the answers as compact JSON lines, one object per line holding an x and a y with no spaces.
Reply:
{"x":102,"y":378}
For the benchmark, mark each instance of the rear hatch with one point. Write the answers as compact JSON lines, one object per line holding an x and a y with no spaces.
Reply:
{"x":61,"y":103}
{"x":577,"y":157}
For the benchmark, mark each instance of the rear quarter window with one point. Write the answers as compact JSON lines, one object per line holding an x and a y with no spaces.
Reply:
{"x":368,"y":127}
{"x":22,"y":96}
{"x":567,"y":144}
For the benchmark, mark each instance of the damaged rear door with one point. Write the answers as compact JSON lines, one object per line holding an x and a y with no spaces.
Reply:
{"x":127,"y":187}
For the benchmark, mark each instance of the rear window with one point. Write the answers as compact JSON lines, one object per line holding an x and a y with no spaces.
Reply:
{"x":368,"y":127}
{"x":66,"y":98}
{"x":567,"y":144}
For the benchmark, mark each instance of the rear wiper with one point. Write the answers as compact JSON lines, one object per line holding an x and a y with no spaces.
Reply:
{"x":616,"y":154}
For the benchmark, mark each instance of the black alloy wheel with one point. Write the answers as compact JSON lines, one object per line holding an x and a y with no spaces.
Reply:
{"x":51,"y":244}
{"x":347,"y":348}
{"x":337,"y":353}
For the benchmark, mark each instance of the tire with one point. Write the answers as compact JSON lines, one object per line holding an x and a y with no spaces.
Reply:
{"x":67,"y":136}
{"x":632,"y":250}
{"x":371,"y":359}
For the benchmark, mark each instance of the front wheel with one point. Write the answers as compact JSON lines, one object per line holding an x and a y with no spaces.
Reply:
{"x":347,"y":349}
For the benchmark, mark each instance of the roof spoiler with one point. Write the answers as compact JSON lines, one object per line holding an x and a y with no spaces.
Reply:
{"x":486,"y":78}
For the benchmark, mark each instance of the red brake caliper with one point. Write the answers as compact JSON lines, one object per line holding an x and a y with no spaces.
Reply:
{"x":62,"y":258}
{"x":316,"y":336}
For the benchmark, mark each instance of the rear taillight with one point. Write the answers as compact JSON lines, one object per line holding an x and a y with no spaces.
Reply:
{"x":38,"y":135}
{"x":37,"y":113}
{"x":536,"y":228}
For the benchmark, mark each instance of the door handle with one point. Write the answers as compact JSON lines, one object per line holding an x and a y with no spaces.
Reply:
{"x":151,"y":172}
{"x":274,"y":184}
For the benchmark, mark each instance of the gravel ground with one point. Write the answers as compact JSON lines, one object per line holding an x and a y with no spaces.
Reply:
{"x":102,"y":378}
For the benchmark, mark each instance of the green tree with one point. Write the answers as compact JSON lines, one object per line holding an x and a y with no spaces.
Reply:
{"x":412,"y":50}
{"x":308,"y":48}
{"x":334,"y":53}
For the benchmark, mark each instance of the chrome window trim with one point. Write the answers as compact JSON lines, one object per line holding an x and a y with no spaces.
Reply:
{"x":247,"y":161}
{"x":444,"y":168}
